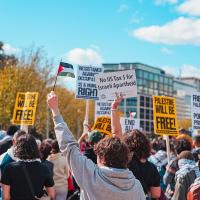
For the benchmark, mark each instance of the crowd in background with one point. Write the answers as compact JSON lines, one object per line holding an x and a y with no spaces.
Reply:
{"x":125,"y":166}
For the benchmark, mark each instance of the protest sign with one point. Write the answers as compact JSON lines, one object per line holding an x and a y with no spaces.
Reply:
{"x":195,"y":101}
{"x":25,"y":108}
{"x":124,"y":82}
{"x":85,"y":82}
{"x":102,"y":108}
{"x":129,"y":124}
{"x":165,"y":118}
{"x":103,"y":124}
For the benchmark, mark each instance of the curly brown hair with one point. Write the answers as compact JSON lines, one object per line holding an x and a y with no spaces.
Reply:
{"x":26,"y":148}
{"x":138,"y":144}
{"x":113,"y":152}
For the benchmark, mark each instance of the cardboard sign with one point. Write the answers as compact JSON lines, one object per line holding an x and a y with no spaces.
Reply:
{"x":129,"y":124}
{"x":85,"y":82}
{"x":165,"y":118}
{"x":102,"y":108}
{"x":25,"y":108}
{"x":195,"y":101}
{"x":124,"y":82}
{"x":103,"y":124}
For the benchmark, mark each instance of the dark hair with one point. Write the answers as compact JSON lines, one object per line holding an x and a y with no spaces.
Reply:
{"x":12,"y":129}
{"x":197,"y":139}
{"x":26,"y":148}
{"x":18,"y":134}
{"x":183,"y":145}
{"x":113,"y":152}
{"x":186,"y":155}
{"x":138,"y":144}
{"x":55,"y":147}
{"x":45,"y":150}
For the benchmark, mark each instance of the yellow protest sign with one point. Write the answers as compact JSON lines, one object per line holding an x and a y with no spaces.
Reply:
{"x":103,"y":124}
{"x":25,"y":108}
{"x":165,"y":118}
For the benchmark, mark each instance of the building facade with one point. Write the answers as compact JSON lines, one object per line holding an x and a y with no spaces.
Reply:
{"x":154,"y":81}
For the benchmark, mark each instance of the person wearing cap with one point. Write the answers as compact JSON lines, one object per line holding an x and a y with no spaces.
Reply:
{"x":110,"y":178}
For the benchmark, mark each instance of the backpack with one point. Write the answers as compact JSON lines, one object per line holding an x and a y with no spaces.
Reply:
{"x":194,"y":190}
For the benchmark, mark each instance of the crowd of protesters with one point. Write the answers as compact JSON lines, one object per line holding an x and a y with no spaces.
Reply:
{"x":97,"y":167}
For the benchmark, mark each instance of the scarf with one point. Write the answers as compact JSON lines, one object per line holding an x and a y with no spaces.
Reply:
{"x":186,"y":166}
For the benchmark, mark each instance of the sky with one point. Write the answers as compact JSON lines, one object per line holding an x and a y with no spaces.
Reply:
{"x":160,"y":33}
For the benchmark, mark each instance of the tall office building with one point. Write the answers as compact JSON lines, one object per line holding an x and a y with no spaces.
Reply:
{"x":193,"y":81}
{"x":150,"y":81}
{"x":182,"y":92}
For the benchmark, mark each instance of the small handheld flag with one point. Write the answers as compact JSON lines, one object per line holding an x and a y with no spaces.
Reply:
{"x":64,"y":69}
{"x":132,"y":114}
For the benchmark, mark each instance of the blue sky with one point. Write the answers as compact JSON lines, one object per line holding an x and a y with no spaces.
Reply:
{"x":161,"y":33}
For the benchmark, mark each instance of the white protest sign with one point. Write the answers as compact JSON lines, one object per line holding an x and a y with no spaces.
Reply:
{"x":85,"y":82}
{"x":129,"y":124}
{"x":102,"y":108}
{"x":195,"y":101}
{"x":124,"y":82}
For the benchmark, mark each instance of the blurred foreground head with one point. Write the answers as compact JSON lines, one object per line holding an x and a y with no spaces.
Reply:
{"x":112,"y":152}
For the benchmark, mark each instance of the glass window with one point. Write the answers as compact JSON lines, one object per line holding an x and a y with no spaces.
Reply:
{"x":146,"y":74}
{"x":166,"y":80}
{"x":142,"y":113}
{"x":155,"y":77}
{"x":141,"y":98}
{"x":142,"y":124}
{"x":151,"y":77}
{"x":161,"y":79}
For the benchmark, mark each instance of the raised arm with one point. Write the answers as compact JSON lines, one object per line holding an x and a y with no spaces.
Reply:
{"x":115,"y":119}
{"x":81,"y":167}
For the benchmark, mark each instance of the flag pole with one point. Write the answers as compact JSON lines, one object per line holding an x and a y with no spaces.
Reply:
{"x":56,"y":78}
{"x":55,"y":82}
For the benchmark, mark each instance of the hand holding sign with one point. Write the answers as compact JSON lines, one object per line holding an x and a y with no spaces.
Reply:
{"x":52,"y":101}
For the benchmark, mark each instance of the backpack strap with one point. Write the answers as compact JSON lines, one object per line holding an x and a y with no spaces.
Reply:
{"x":28,"y":180}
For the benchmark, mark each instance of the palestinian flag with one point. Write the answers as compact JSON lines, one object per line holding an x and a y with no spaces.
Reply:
{"x":132,"y":114}
{"x":66,"y":69}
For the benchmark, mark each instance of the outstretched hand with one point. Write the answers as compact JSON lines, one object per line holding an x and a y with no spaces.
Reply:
{"x":52,"y":101}
{"x":117,"y":101}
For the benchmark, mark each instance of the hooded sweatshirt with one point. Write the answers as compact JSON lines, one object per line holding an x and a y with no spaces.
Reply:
{"x":96,"y":183}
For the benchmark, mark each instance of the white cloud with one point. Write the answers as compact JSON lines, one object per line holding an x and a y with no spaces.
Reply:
{"x":180,"y":31}
{"x":190,"y":7}
{"x":8,"y":49}
{"x":166,"y":51}
{"x":162,"y":2}
{"x":170,"y":70}
{"x":122,"y":8}
{"x":84,"y":56}
{"x":190,"y":71}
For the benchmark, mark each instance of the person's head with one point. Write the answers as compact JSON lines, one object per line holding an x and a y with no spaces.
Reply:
{"x":45,"y":150}
{"x":26,"y":148}
{"x":17,"y":135}
{"x":55,"y":147}
{"x":196,"y":141}
{"x":185,"y":158}
{"x":183,"y":145}
{"x":112,"y":152}
{"x":186,"y":155}
{"x":94,"y":137}
{"x":186,"y":137}
{"x":12,"y":129}
{"x":138,"y":144}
